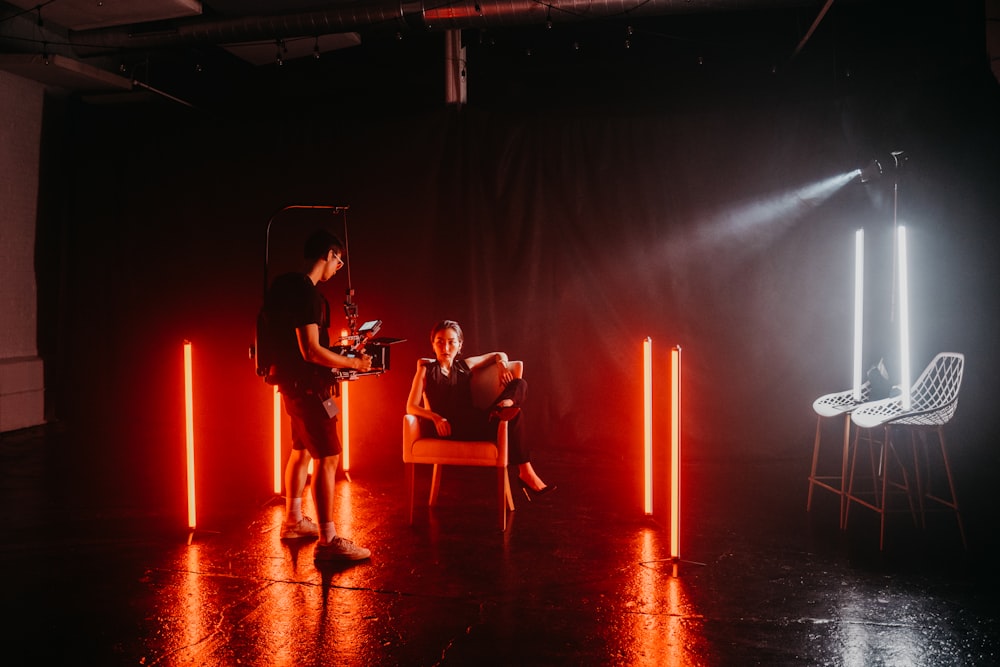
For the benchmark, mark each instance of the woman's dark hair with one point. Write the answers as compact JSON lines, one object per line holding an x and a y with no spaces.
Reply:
{"x":320,"y":243}
{"x":448,"y":324}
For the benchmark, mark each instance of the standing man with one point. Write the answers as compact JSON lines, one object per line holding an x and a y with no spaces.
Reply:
{"x":296,"y":321}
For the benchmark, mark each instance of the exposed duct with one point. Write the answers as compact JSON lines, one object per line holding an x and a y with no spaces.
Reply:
{"x":438,"y":15}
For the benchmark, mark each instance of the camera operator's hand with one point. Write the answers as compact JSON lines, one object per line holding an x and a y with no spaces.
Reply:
{"x":363,"y":363}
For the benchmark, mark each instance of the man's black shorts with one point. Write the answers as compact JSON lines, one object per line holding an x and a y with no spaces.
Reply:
{"x":312,"y":429}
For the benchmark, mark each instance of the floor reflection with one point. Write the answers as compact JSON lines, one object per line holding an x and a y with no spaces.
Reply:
{"x":667,"y":630}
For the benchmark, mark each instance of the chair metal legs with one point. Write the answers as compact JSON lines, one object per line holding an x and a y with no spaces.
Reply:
{"x":881,"y":478}
{"x":882,"y":482}
{"x":925,"y":480}
{"x":833,"y":483}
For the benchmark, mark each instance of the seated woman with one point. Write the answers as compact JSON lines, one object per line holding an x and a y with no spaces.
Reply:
{"x":446,"y":381}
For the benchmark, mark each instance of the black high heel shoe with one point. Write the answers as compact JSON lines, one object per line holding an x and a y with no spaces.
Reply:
{"x":504,"y":414}
{"x":530,"y":493}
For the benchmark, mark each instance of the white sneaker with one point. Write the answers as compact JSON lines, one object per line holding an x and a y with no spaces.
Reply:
{"x":340,"y":549}
{"x":306,"y":527}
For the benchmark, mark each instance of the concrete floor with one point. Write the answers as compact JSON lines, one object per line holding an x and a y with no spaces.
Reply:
{"x":582,"y":578}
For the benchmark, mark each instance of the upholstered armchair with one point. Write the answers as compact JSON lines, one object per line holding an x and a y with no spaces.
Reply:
{"x":438,"y":452}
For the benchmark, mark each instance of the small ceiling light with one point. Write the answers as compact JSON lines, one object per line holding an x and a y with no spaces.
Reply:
{"x":316,"y":49}
{"x":548,"y":18}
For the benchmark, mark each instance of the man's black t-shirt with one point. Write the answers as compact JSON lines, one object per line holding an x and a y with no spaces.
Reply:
{"x":293,"y":301}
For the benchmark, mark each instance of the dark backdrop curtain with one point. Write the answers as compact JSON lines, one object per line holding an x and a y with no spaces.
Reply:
{"x":562,"y":236}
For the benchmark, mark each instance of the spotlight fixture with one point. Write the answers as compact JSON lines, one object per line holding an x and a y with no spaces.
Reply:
{"x":871,"y":172}
{"x":881,"y":165}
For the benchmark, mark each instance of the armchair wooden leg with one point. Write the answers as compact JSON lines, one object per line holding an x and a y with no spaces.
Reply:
{"x":503,"y":496}
{"x":435,"y":485}
{"x":410,"y":489}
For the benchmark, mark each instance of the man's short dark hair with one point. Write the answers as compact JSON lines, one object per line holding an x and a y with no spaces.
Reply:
{"x":320,"y":243}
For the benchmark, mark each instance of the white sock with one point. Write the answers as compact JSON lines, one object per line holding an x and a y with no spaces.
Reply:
{"x":293,"y":510}
{"x":327,"y":531}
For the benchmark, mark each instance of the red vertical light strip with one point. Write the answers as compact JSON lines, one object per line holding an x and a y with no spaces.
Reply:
{"x":675,"y":452}
{"x":277,"y":441}
{"x":189,"y":432}
{"x":647,"y":411}
{"x":345,"y":428}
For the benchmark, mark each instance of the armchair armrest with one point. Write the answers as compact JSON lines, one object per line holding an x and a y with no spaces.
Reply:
{"x":411,"y":433}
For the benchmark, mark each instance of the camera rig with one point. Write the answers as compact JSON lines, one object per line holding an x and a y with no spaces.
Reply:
{"x":364,"y":342}
{"x":354,"y":342}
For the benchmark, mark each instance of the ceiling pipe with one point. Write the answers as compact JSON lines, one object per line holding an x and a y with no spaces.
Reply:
{"x":812,"y":28}
{"x":436,"y":15}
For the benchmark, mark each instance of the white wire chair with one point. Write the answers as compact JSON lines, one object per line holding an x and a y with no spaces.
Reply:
{"x":837,"y":404}
{"x":933,"y":403}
